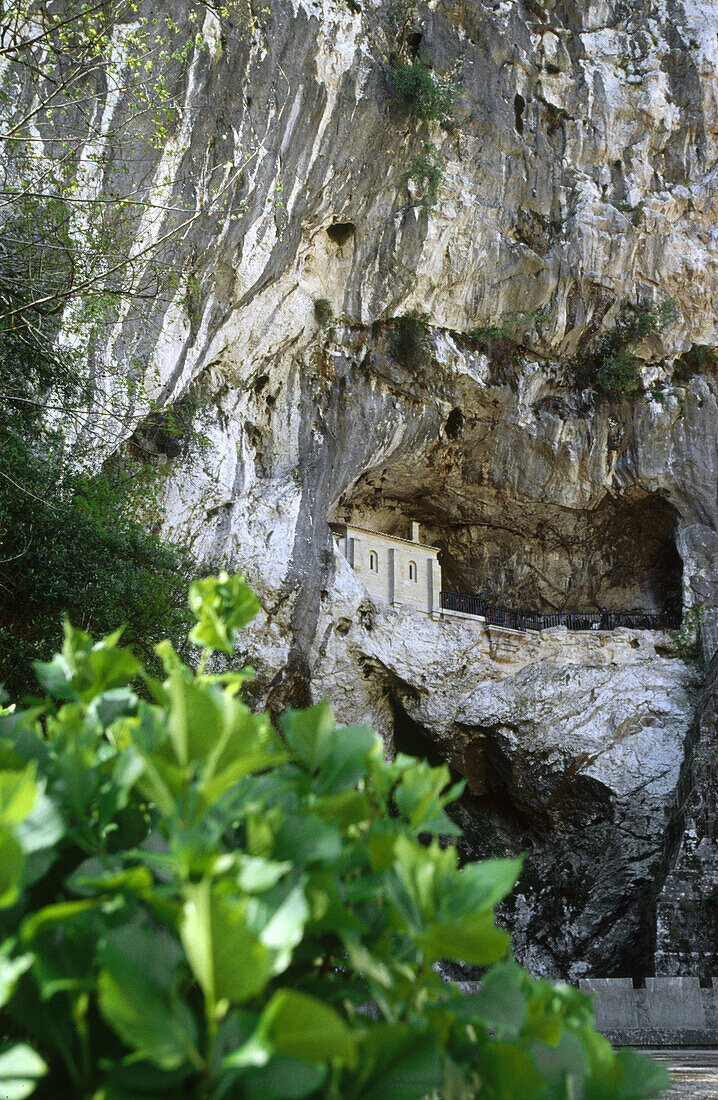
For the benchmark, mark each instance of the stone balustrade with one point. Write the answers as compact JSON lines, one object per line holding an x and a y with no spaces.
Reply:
{"x":465,"y":604}
{"x":668,"y":1012}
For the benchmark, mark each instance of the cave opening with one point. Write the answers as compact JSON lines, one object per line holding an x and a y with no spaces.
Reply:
{"x":621,"y":556}
{"x":341,"y":232}
{"x":412,"y":739}
{"x":532,"y":556}
{"x":519,"y":108}
{"x":454,"y":423}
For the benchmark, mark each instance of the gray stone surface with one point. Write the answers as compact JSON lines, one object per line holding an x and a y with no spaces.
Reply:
{"x":615,"y":1004}
{"x":675,"y":1003}
{"x":667,"y":1012}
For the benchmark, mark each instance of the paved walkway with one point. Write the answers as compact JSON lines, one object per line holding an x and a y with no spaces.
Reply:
{"x":694,"y":1073}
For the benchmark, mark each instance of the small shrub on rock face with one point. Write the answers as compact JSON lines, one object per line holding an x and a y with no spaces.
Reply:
{"x":195,"y":904}
{"x":619,"y":375}
{"x":408,"y":341}
{"x":416,"y":87}
{"x":323,"y":311}
{"x":426,"y":170}
{"x":699,"y":359}
{"x":616,"y":372}
{"x":686,"y":638}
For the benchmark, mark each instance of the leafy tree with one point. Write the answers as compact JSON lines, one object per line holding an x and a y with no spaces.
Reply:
{"x":195,"y":904}
{"x":93,"y":205}
{"x":91,"y":154}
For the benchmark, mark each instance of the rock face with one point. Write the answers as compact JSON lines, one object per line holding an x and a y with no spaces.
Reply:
{"x":687,"y":906}
{"x":579,"y":181}
{"x":572,"y":746}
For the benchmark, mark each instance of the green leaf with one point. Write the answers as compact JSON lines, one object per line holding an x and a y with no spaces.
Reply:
{"x":396,"y":1062}
{"x":381,"y":847}
{"x":138,"y":995}
{"x":302,"y":1027}
{"x":55,"y":677}
{"x":306,"y":840}
{"x":499,"y":1004}
{"x":59,"y":913}
{"x":419,"y":795}
{"x":361,"y":960}
{"x":282,"y":1078}
{"x":626,"y":1075}
{"x":347,"y":764}
{"x":551,"y":1007}
{"x":43,"y":826}
{"x":106,"y":668}
{"x":138,"y":1079}
{"x":473,"y":938}
{"x":12,"y":862}
{"x":20,"y":1070}
{"x":482,"y":885}
{"x":195,"y":720}
{"x":344,"y":809}
{"x":226,"y":955}
{"x":18,"y":791}
{"x":282,"y":929}
{"x":11,"y":968}
{"x":510,"y":1073}
{"x":641,"y":1077}
{"x":222,"y":605}
{"x":309,"y":733}
{"x":92,"y":877}
{"x":563,"y":1067}
{"x":85,"y":670}
{"x":256,"y":874}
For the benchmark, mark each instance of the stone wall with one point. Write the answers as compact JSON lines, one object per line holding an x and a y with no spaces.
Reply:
{"x":397,"y":571}
{"x":668,"y":1012}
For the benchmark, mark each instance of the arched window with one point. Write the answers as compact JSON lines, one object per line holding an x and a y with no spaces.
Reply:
{"x":412,"y":570}
{"x":373,"y":562}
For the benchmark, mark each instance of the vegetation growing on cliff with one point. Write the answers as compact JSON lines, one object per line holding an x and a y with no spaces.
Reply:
{"x":194,"y":903}
{"x":417,"y":89}
{"x":686,"y":639}
{"x":83,"y":240}
{"x":429,"y":100}
{"x":617,"y":372}
{"x":409,"y":341}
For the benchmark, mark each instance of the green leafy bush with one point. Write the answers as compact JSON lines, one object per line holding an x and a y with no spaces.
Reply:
{"x":417,"y":89}
{"x":429,"y":100}
{"x":71,"y":539}
{"x":617,"y":371}
{"x":513,"y":327}
{"x":699,"y":359}
{"x":426,"y":169}
{"x":323,"y":311}
{"x":619,"y":375}
{"x":195,"y":904}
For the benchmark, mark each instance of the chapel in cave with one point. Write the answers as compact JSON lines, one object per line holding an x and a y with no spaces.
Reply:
{"x":635,"y":582}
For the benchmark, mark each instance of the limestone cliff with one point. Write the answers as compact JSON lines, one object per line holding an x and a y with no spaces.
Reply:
{"x":579,"y":181}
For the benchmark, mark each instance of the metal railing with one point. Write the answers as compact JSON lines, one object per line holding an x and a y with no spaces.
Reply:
{"x":496,"y":615}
